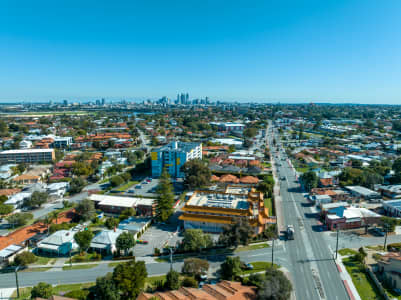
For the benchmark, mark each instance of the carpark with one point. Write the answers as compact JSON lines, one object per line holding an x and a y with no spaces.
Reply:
{"x":147,"y":189}
{"x":157,"y":236}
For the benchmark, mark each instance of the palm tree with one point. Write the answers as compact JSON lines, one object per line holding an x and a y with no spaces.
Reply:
{"x":54,"y":216}
{"x":47,"y":220}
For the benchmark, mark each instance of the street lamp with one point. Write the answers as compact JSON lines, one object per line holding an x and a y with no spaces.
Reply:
{"x":16,"y":280}
{"x":385,"y":237}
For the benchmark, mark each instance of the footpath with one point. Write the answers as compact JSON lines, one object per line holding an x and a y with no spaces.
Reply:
{"x":347,"y":280}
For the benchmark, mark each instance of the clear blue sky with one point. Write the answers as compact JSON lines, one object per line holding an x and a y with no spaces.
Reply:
{"x":297,"y":51}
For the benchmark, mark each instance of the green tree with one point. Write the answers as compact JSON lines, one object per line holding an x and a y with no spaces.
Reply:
{"x":112,"y":223}
{"x":130,"y":278}
{"x":116,"y":181}
{"x":250,"y":132}
{"x":276,"y":286}
{"x":238,"y":233}
{"x":24,"y":258}
{"x":127,"y":213}
{"x":195,"y":240}
{"x":6,"y":209}
{"x":195,"y":266}
{"x":85,"y":209}
{"x":125,"y":241}
{"x":42,"y":290}
{"x":310,"y":180}
{"x":165,"y":197}
{"x":83,"y":239}
{"x":190,"y":282}
{"x":197,"y":174}
{"x":19,"y":219}
{"x":105,"y":289}
{"x":230,"y":269}
{"x":173,"y":280}
{"x":37,"y":199}
{"x":77,"y":184}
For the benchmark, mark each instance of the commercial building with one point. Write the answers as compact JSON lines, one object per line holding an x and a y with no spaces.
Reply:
{"x":392,"y":208}
{"x":351,"y":217}
{"x":362,"y":192}
{"x":26,"y":156}
{"x":211,"y":211}
{"x":391,"y":191}
{"x":228,"y":126}
{"x":173,"y":156}
{"x":115,"y":205}
{"x":62,"y":142}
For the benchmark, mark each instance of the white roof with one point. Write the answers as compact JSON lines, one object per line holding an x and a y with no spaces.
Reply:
{"x":106,"y":237}
{"x":120,"y":201}
{"x":10,"y":250}
{"x":26,"y":151}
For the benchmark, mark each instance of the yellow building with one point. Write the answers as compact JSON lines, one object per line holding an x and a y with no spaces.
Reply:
{"x":211,"y":211}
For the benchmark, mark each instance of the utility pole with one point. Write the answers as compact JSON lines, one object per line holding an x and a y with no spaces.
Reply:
{"x":338,"y":231}
{"x":171,"y":258}
{"x":16,"y":280}
{"x":385,"y":238}
{"x":273,"y":253}
{"x":70,"y":259}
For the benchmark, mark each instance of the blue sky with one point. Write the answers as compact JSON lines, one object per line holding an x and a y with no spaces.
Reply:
{"x":294,"y":51}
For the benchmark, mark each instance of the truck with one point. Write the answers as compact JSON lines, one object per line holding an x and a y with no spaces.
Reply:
{"x":290,"y":232}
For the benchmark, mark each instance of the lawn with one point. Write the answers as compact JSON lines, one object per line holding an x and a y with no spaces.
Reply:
{"x":347,"y":252}
{"x":152,"y":280}
{"x":364,"y":285}
{"x":376,"y":248}
{"x":42,"y":260}
{"x":252,"y":247}
{"x":25,"y":293}
{"x":259,"y":266}
{"x":115,"y":264}
{"x":77,"y":267}
{"x":269,"y":205}
{"x":44,"y":269}
{"x":126,"y":186}
{"x":103,"y":181}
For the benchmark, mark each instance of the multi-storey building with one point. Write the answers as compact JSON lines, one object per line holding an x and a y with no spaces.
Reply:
{"x":27,"y":156}
{"x":173,"y":156}
{"x":211,"y":211}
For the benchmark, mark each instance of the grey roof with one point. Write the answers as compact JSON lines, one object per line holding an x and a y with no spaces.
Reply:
{"x":59,"y":237}
{"x":106,"y":237}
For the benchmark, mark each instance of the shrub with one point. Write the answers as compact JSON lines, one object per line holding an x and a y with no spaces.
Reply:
{"x":190,"y":282}
{"x":42,"y":290}
{"x":25,"y":258}
{"x":77,"y":294}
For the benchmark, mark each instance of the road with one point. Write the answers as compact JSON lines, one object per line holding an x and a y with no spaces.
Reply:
{"x":89,"y":275}
{"x":313,"y":269}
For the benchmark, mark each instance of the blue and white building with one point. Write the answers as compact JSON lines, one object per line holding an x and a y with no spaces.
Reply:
{"x":173,"y":156}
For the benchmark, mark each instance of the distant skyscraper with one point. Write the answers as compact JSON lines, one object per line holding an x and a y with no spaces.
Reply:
{"x":97,"y":102}
{"x":65,"y":102}
{"x":182,"y":98}
{"x":187,"y":98}
{"x":103,"y":101}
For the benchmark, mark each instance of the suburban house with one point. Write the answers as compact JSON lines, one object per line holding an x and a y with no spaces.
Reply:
{"x":135,"y":225}
{"x":59,"y":243}
{"x":390,"y":268}
{"x":8,"y":254}
{"x":105,"y":241}
{"x":26,"y":179}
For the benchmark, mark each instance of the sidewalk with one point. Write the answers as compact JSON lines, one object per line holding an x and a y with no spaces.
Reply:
{"x":347,"y":280}
{"x":277,"y":198}
{"x":6,"y":293}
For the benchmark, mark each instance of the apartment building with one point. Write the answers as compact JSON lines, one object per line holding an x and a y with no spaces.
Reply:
{"x":173,"y":156}
{"x":211,"y":211}
{"x":27,"y":156}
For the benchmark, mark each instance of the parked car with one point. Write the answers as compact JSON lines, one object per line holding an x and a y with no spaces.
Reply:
{"x":138,"y":186}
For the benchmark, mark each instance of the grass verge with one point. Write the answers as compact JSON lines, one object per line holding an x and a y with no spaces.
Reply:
{"x":259,"y":266}
{"x":252,"y":247}
{"x":347,"y":251}
{"x":77,"y":267}
{"x":364,"y":285}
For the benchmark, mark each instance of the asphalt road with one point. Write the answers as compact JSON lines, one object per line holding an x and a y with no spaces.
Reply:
{"x":312,"y":267}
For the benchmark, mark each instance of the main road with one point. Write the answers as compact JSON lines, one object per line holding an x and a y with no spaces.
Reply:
{"x":313,"y":270}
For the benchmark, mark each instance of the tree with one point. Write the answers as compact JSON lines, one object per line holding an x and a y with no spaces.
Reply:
{"x":310,"y":180}
{"x":173,"y":280}
{"x":127,"y":213}
{"x":238,"y":233}
{"x":190,"y":282}
{"x":165,"y":197}
{"x":195,"y":240}
{"x":85,"y":209}
{"x":25,"y":258}
{"x":130,"y":278}
{"x":112,"y":223}
{"x":105,"y":289}
{"x":19,"y":219}
{"x":83,"y":239}
{"x":37,"y":199}
{"x":77,"y":184}
{"x":389,"y":223}
{"x":250,"y":132}
{"x":125,"y":241}
{"x":230,"y":268}
{"x":276,"y":286}
{"x":42,"y":290}
{"x":195,"y":266}
{"x":6,"y":209}
{"x":116,"y":181}
{"x":197,"y":174}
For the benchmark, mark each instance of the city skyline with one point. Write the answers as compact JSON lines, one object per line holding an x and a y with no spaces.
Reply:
{"x":332,"y":52}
